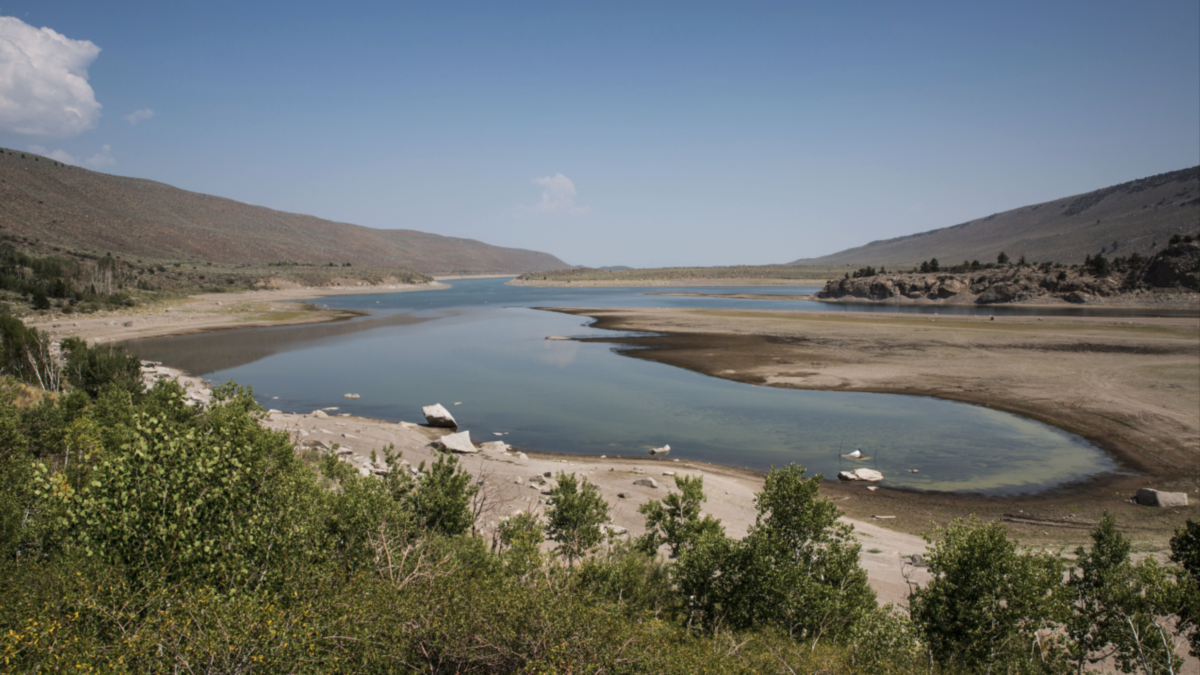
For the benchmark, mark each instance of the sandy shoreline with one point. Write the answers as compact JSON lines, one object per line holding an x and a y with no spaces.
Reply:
{"x":850,"y":363}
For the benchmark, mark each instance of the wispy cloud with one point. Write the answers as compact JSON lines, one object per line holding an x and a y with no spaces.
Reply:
{"x":102,"y":158}
{"x":60,"y":154}
{"x":139,"y":115}
{"x":44,"y":90}
{"x":558,"y":196}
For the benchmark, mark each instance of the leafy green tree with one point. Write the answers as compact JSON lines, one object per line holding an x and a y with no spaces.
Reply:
{"x":441,"y":500}
{"x":522,"y":537}
{"x":221,"y":500}
{"x":1185,"y":551}
{"x":1121,"y":609}
{"x":1098,"y":266}
{"x":676,"y":520}
{"x":576,"y":513}
{"x":1002,"y":259}
{"x":16,"y":498}
{"x":1100,"y":587}
{"x":796,"y":570}
{"x":25,"y":354}
{"x":91,"y":368}
{"x":986,"y":602}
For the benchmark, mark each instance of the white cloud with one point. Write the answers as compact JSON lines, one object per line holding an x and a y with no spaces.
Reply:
{"x":139,"y":115}
{"x":44,"y":90}
{"x":102,"y":158}
{"x":558,"y":196}
{"x":60,"y":154}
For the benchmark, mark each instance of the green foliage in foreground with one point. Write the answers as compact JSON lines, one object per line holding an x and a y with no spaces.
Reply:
{"x":140,"y":534}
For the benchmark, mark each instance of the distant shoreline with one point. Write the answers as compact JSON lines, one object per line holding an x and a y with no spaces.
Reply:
{"x":659,"y":283}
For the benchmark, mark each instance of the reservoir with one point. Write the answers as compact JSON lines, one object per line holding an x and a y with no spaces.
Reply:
{"x":479,"y":349}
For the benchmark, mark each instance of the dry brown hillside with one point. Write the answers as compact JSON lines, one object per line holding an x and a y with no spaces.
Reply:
{"x":1139,"y":216}
{"x":77,"y":209}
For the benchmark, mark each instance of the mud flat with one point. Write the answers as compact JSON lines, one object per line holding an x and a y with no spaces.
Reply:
{"x":212,"y":311}
{"x":1129,"y":385}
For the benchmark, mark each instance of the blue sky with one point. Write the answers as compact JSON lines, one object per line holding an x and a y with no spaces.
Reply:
{"x":609,"y":133}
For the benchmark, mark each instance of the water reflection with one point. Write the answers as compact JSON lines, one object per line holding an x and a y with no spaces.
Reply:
{"x":208,"y":352}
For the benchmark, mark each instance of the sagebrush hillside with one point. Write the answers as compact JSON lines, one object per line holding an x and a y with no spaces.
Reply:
{"x":1135,"y":217}
{"x":51,"y":204}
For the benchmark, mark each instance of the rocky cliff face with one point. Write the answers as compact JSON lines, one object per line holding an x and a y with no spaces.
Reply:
{"x":1177,"y":266}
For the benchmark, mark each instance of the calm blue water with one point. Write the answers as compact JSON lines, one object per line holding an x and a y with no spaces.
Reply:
{"x":480,"y":345}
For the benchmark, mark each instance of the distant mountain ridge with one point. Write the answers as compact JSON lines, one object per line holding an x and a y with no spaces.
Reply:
{"x":74,"y":208}
{"x":1138,"y":216}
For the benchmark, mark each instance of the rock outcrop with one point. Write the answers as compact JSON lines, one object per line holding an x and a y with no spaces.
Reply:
{"x":1175,"y":267}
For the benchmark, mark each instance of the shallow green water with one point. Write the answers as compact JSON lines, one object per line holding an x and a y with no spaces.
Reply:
{"x":480,"y":345}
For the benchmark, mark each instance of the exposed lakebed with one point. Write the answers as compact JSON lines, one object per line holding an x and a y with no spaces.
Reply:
{"x":479,"y":344}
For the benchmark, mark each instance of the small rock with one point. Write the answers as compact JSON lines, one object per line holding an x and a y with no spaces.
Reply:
{"x":548,"y":474}
{"x":668,"y":473}
{"x":519,"y":481}
{"x":556,"y":337}
{"x":495,"y":447}
{"x":522,"y":455}
{"x":646,"y":482}
{"x":128,"y":324}
{"x":319,"y":413}
{"x":621,"y":495}
{"x":546,"y":489}
{"x":350,"y":396}
{"x":539,"y":479}
{"x":660,"y":451}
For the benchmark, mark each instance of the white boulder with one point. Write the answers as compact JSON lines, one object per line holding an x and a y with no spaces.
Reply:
{"x":460,"y":442}
{"x":869,"y":475}
{"x":436,"y":415}
{"x":1148,"y":497}
{"x":498,"y":447}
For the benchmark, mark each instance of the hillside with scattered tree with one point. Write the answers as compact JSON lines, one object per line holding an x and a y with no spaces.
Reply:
{"x":1135,"y":217}
{"x":53,"y":206}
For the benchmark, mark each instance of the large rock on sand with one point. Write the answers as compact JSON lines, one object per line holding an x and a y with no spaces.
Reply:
{"x":869,"y":475}
{"x":460,"y":442}
{"x":438,"y":416}
{"x":1148,"y":497}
